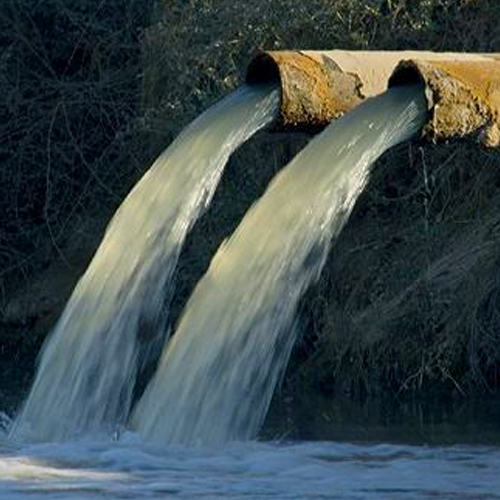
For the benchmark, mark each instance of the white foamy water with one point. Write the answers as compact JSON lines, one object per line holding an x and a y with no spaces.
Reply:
{"x":218,"y":373}
{"x":129,"y":469}
{"x":87,"y":369}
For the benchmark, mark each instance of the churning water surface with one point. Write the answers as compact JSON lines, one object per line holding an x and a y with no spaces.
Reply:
{"x":130,"y":469}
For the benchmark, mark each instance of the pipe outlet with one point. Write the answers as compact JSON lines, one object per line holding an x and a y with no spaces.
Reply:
{"x":462,"y":90}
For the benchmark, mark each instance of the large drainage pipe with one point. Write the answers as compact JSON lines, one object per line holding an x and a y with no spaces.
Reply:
{"x":462,"y":90}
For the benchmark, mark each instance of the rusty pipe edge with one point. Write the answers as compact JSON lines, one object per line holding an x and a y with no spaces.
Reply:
{"x":320,"y":86}
{"x":313,"y":90}
{"x":463,"y":96}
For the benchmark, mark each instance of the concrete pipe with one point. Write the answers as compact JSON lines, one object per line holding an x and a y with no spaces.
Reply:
{"x":317,"y":87}
{"x":463,"y":96}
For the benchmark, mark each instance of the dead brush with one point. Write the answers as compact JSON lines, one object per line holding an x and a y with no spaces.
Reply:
{"x":70,"y":85}
{"x":409,"y":300}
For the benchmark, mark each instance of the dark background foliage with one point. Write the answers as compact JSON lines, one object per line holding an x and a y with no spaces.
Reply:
{"x":92,"y":90}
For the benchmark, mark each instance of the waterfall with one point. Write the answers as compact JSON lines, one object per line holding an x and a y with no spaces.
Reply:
{"x":217,"y":375}
{"x":88,"y":364}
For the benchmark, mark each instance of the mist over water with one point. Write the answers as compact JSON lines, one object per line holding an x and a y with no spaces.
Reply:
{"x":88,"y":365}
{"x":217,"y":375}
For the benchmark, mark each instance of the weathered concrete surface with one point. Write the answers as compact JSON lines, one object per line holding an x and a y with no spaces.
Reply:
{"x":314,"y":90}
{"x":463,"y":97}
{"x":317,"y":87}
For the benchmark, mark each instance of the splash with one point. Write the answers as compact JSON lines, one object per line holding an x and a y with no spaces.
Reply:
{"x":217,"y":375}
{"x":88,"y":366}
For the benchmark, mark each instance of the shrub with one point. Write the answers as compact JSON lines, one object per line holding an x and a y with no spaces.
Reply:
{"x":70,"y":88}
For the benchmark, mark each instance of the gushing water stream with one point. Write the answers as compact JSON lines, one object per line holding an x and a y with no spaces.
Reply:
{"x":88,"y":366}
{"x":218,"y":373}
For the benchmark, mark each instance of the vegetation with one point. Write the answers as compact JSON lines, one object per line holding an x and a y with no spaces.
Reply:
{"x":409,"y":302}
{"x":70,"y":85}
{"x":409,"y":299}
